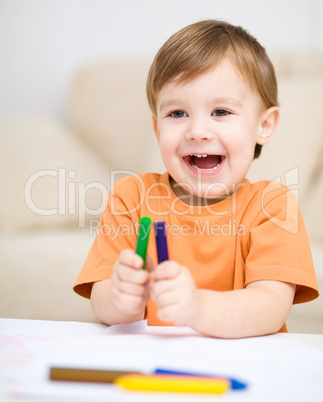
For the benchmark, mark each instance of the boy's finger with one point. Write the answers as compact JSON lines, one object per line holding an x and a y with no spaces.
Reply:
{"x":131,"y":259}
{"x":163,"y":292}
{"x":128,"y":274}
{"x":167,"y":270}
{"x":129,"y":304}
{"x":168,"y":313}
{"x":131,"y":288}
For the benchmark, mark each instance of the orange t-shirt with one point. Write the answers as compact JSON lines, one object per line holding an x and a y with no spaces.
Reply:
{"x":257,"y":233}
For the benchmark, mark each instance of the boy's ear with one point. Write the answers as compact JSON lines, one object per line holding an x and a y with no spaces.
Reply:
{"x":155,"y":125}
{"x":269,"y":124}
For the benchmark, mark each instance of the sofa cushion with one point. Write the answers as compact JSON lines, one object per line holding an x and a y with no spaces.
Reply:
{"x":41,"y":268}
{"x":294,"y":155}
{"x":109,"y":111}
{"x":48,"y":177}
{"x":301,"y":63}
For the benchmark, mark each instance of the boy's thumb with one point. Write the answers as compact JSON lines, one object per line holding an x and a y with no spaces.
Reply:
{"x":167,"y":270}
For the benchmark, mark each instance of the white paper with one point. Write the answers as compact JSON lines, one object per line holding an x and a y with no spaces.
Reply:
{"x":276,"y":367}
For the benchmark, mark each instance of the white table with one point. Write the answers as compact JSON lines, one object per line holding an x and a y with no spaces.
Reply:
{"x":278,"y":367}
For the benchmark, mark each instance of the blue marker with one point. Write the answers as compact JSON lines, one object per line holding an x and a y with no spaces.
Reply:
{"x":235,"y":384}
{"x":161,"y":241}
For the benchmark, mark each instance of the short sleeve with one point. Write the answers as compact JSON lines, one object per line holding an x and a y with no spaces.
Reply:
{"x":279,"y":247}
{"x":116,"y":232}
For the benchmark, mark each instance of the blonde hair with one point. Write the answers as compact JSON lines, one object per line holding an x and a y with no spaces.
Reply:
{"x":197,"y":48}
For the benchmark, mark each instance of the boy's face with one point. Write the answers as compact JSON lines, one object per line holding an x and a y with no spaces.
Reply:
{"x":207,"y":130}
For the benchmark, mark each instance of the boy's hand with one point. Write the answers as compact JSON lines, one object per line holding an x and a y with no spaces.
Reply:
{"x":177,"y":298}
{"x":129,"y":283}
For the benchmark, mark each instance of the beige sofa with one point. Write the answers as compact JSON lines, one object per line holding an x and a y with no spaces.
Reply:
{"x":55,"y":176}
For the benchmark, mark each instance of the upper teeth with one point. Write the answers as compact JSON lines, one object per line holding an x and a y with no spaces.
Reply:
{"x":200,"y":155}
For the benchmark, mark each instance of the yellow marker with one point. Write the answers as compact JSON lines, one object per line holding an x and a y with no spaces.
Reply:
{"x":168,"y":383}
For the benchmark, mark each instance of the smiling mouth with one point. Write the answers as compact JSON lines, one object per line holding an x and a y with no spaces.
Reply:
{"x":204,"y":161}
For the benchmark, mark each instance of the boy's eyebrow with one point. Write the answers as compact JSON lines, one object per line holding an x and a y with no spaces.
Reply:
{"x":169,"y":102}
{"x":222,"y":100}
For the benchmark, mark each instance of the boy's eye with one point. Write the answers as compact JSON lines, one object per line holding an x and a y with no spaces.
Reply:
{"x":178,"y":114}
{"x":220,"y":113}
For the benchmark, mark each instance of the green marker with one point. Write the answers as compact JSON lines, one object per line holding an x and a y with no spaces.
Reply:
{"x":143,"y":237}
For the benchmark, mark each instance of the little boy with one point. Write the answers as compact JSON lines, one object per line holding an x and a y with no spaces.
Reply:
{"x":239,"y":252}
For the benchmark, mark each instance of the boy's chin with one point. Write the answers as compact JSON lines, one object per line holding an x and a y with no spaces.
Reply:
{"x":212,"y":198}
{"x":202,"y":194}
{"x":205,"y":198}
{"x":216,"y":192}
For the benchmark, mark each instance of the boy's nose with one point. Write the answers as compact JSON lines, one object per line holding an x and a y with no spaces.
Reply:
{"x":199,"y":131}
